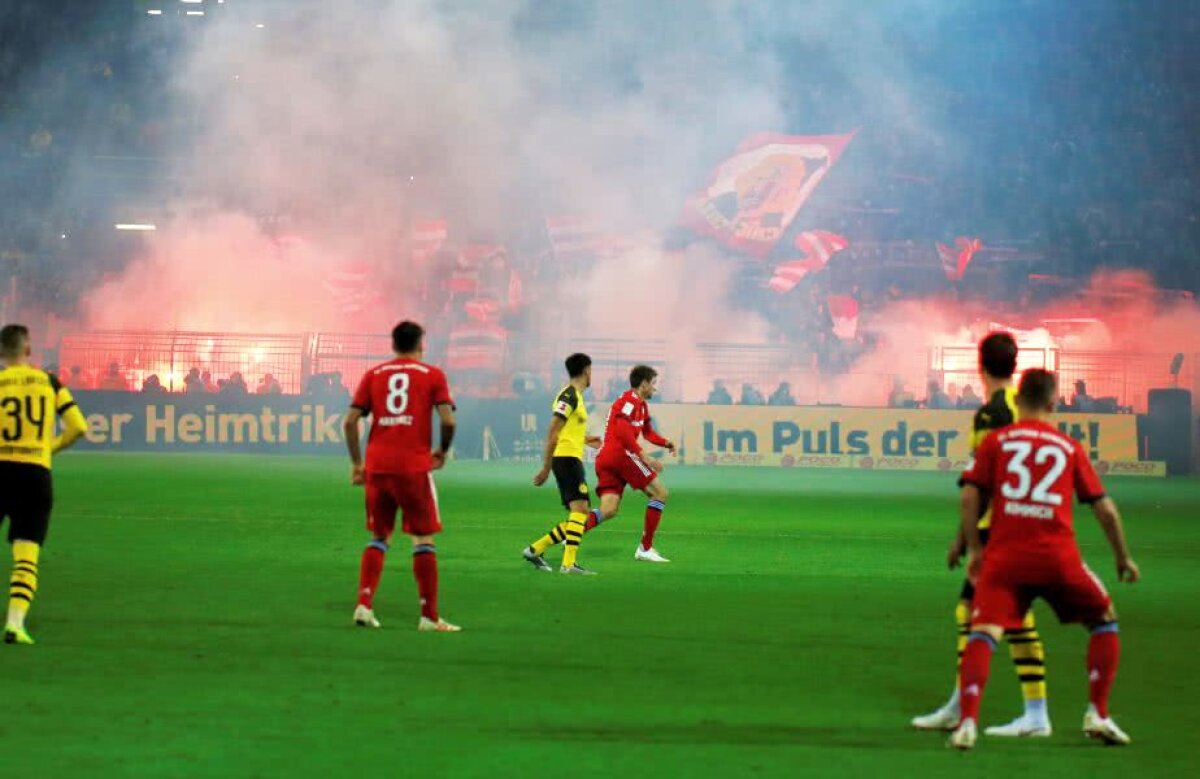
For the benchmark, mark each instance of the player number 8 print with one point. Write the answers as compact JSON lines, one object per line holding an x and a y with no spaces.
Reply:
{"x":1016,"y":466}
{"x":397,"y":399}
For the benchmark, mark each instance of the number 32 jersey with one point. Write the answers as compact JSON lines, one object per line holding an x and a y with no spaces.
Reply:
{"x":400,"y":396}
{"x":1032,"y":473}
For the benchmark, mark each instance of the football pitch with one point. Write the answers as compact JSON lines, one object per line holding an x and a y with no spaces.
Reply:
{"x":194,"y":620}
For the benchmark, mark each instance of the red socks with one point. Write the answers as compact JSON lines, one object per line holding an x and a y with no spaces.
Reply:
{"x":425,"y":571}
{"x":593,"y":519}
{"x":1104,"y":650}
{"x":370,"y":571}
{"x":654,"y":510}
{"x":973,"y":675}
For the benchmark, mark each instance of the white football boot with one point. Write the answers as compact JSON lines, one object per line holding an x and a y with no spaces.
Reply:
{"x":945,"y":718}
{"x":650,"y":555}
{"x":1103,"y":729}
{"x":365,"y":618}
{"x":427,"y":625}
{"x":964,"y":735}
{"x":1024,"y":726}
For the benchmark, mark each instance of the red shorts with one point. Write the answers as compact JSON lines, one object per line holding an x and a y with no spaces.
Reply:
{"x":614,"y":472}
{"x":1007,"y":588}
{"x":413,"y":494}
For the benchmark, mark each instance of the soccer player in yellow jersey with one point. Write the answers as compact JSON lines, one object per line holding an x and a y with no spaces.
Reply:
{"x":31,"y":403}
{"x":563,"y":456}
{"x":997,"y":363}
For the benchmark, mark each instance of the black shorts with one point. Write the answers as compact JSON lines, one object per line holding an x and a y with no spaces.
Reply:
{"x":572,"y":481}
{"x":968,"y":589}
{"x":26,"y":497}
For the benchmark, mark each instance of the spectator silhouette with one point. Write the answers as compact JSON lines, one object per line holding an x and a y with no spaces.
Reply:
{"x":269,"y":385}
{"x":718,"y":395}
{"x":193,"y":384}
{"x":153,"y":385}
{"x":751,"y":396}
{"x":782,"y":396}
{"x":114,"y":380}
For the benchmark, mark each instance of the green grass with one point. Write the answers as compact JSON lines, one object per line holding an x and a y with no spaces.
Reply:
{"x":194,"y":613}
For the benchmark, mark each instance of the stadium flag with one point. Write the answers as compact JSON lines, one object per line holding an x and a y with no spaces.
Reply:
{"x":955,"y":260}
{"x":351,"y":290}
{"x":843,"y":310}
{"x":753,"y":196}
{"x":427,"y":239}
{"x":817,"y":247}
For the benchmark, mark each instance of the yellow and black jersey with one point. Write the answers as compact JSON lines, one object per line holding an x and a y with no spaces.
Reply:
{"x":31,"y":403}
{"x":1000,"y":411}
{"x":569,"y":406}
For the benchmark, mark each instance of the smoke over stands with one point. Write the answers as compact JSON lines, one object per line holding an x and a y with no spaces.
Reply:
{"x":522,"y":168}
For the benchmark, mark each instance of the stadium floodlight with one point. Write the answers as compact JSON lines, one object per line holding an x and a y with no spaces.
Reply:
{"x":154,"y":12}
{"x":194,"y":2}
{"x":260,"y":25}
{"x":141,"y":227}
{"x":195,"y":13}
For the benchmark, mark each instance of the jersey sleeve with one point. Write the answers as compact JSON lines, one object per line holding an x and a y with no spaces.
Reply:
{"x":66,"y":408}
{"x":567,"y":401}
{"x":63,"y":401}
{"x":981,"y":470}
{"x":1088,"y":487}
{"x":652,"y":435}
{"x":362,"y":395}
{"x":441,"y":390}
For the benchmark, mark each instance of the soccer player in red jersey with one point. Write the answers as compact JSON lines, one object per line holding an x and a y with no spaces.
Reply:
{"x":400,"y":396}
{"x":1032,"y":472}
{"x":620,"y":461}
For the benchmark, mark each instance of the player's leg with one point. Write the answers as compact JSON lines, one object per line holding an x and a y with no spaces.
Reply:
{"x":418,"y":505}
{"x":973,"y":676}
{"x":999,"y":602}
{"x":1083,"y":598}
{"x":948,"y":716}
{"x":381,"y":505}
{"x":28,"y":507}
{"x":572,"y":489}
{"x":1029,"y":659}
{"x":575,"y":531}
{"x":658,"y":494}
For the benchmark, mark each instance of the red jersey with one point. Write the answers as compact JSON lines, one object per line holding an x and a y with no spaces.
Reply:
{"x":399,"y":396}
{"x":1032,"y":472}
{"x":628,"y":419}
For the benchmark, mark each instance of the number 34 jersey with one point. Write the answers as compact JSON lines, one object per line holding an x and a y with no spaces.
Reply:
{"x":1032,"y":473}
{"x":31,"y":403}
{"x":400,"y":396}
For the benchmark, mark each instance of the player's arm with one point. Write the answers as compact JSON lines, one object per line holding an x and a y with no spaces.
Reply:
{"x":978,"y":476}
{"x":653,"y":436}
{"x":360,"y":406}
{"x":445,"y":412}
{"x":353,"y":445}
{"x":556,"y":425}
{"x":969,"y":502}
{"x":74,"y":425}
{"x":1109,"y":518}
{"x":1090,"y":490}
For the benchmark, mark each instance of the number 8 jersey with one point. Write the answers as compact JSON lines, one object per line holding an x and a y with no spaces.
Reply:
{"x":31,"y":402}
{"x":399,"y":396}
{"x":1033,"y":473}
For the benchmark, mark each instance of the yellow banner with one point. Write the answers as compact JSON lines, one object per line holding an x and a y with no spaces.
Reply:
{"x":891,"y":439}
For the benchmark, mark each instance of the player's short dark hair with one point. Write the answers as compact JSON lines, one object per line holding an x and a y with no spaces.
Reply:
{"x":998,"y":355}
{"x":13,"y":338}
{"x":641,"y":373}
{"x":1038,"y":390}
{"x":577,"y":363}
{"x":406,"y":337}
